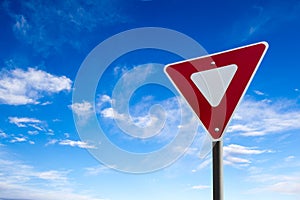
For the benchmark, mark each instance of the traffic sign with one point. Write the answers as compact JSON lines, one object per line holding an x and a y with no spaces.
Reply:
{"x":213,"y":85}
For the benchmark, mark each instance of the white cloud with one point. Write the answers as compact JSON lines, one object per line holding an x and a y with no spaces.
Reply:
{"x":43,"y":81}
{"x":67,"y":135}
{"x":281,"y":178}
{"x":50,"y":132}
{"x":17,"y":191}
{"x":111,"y":114}
{"x":259,"y":118}
{"x":120,"y":70}
{"x":74,"y":143}
{"x":102,"y":102}
{"x":203,"y":164}
{"x":20,"y":87}
{"x":23,"y":121}
{"x":259,"y":93}
{"x":264,"y":18}
{"x":3,"y":134}
{"x":233,"y":154}
{"x":52,"y":175}
{"x":20,"y":173}
{"x":200,"y":187}
{"x":140,"y":123}
{"x":234,"y":161}
{"x":278,"y":183}
{"x":23,"y":181}
{"x":51,"y":142}
{"x":26,"y":122}
{"x":289,"y":158}
{"x":286,"y":187}
{"x":12,"y":138}
{"x":33,"y":132}
{"x":83,"y":111}
{"x":21,"y":26}
{"x":18,"y":139}
{"x":104,"y":99}
{"x":35,"y":22}
{"x":242,"y":150}
{"x":93,"y":171}
{"x":46,"y":103}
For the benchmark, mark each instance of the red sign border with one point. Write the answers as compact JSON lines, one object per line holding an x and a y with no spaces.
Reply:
{"x":243,"y":93}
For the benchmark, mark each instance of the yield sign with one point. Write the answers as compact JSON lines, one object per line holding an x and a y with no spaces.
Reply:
{"x":213,"y":85}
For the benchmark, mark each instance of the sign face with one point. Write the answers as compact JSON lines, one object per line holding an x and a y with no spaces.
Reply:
{"x":213,"y":85}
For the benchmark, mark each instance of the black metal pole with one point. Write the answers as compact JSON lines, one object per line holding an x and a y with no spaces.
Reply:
{"x":217,"y":164}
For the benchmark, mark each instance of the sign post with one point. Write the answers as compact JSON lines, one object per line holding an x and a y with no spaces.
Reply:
{"x":213,"y":86}
{"x":217,"y":164}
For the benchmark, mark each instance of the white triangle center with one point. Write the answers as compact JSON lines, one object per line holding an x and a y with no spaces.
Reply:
{"x":213,"y":83}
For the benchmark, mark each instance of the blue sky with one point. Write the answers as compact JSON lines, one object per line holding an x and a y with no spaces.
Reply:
{"x":42,"y":47}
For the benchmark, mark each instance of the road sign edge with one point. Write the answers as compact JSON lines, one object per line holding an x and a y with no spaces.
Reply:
{"x":216,"y":53}
{"x":241,"y":97}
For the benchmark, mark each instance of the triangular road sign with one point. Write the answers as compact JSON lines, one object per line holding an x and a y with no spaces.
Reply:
{"x":213,"y":85}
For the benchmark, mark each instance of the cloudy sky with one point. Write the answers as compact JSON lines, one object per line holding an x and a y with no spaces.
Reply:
{"x":49,"y":147}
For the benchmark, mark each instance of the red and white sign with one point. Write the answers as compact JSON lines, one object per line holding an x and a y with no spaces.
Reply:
{"x":213,"y":85}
